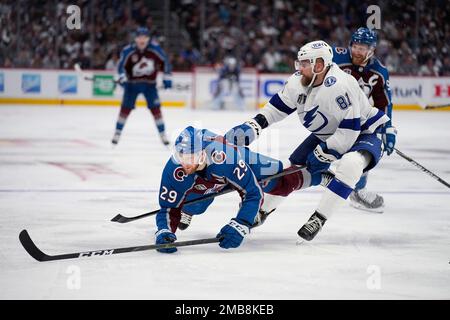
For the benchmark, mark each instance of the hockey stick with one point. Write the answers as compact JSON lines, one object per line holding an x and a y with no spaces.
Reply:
{"x":439,"y":106}
{"x":122,"y":219}
{"x":418,"y":165}
{"x":77,"y":68}
{"x":37,"y":254}
{"x":85,"y":77}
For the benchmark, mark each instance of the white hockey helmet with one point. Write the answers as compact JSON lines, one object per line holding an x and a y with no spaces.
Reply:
{"x":313,"y":50}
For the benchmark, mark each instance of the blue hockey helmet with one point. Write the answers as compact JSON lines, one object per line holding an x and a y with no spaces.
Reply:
{"x":189,"y":143}
{"x":365,"y":36}
{"x":142,"y":31}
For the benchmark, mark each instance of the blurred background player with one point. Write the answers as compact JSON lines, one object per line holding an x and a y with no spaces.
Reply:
{"x":204,"y":163}
{"x":228,"y":84}
{"x":138,"y":68}
{"x":373,"y":78}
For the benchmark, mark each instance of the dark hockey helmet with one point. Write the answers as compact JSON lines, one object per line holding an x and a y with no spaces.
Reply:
{"x":142,"y":31}
{"x":365,"y":36}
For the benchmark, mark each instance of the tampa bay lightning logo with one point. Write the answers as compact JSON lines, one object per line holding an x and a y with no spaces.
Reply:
{"x":311,"y":116}
{"x":330,"y":81}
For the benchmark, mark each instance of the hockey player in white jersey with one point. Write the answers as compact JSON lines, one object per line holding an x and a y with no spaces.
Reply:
{"x":344,"y":128}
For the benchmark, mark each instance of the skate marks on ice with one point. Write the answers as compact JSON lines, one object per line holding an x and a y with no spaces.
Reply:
{"x":51,"y":143}
{"x":84,"y":171}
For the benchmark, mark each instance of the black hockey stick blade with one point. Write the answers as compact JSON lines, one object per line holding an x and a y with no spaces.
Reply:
{"x":421,"y":167}
{"x":31,"y":248}
{"x":37,"y":254}
{"x":439,"y":106}
{"x":122,"y":219}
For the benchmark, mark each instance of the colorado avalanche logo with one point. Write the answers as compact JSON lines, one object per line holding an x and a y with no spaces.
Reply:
{"x":144,"y":67}
{"x":218,"y":157}
{"x":330,"y":81}
{"x":340,"y":50}
{"x":368,"y":86}
{"x":215,"y":189}
{"x":179,"y":174}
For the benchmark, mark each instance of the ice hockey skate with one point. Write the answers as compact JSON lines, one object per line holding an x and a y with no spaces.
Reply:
{"x":261,"y":217}
{"x":164,"y":139}
{"x":311,"y":228}
{"x":367,"y":201}
{"x":185,"y":221}
{"x":115,"y":139}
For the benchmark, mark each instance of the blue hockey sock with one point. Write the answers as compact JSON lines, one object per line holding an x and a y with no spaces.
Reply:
{"x":157,"y":115}
{"x":122,"y":119}
{"x":361,"y":184}
{"x":339,"y":188}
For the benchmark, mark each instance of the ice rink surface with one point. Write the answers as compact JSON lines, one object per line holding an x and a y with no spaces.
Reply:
{"x":61,"y":180}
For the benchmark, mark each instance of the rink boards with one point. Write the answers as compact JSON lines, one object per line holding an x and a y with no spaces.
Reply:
{"x":190,"y":89}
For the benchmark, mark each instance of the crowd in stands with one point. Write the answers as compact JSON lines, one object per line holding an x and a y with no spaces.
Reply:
{"x":414,"y":38}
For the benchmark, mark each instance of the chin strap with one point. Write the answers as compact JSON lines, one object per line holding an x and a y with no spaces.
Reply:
{"x":202,"y":161}
{"x":368,"y":56}
{"x":317,"y":73}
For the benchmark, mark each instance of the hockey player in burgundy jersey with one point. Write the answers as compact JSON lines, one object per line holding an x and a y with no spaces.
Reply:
{"x":138,"y":68}
{"x":373,"y":77}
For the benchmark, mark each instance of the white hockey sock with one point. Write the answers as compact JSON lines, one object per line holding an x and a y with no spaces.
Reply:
{"x":329,"y":203}
{"x":271,"y":202}
{"x":348,"y":172}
